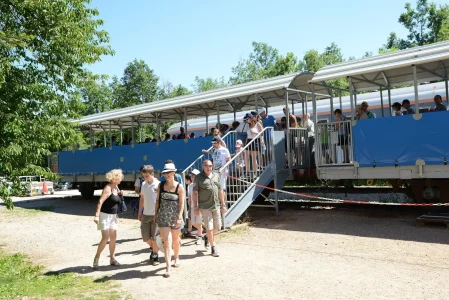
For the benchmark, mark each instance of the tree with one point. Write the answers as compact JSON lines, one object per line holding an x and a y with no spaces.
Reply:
{"x":264,"y":62}
{"x":138,"y":85}
{"x":426,"y":24}
{"x":96,"y":97}
{"x":202,"y":85}
{"x":44,"y":48}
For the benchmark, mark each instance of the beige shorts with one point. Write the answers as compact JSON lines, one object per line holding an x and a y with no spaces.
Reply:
{"x":194,"y":218}
{"x":211,"y":218}
{"x":107,"y":222}
{"x":148,"y":228}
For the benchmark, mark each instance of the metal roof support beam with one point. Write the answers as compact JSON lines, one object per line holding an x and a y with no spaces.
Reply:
{"x":263,"y":101}
{"x":415,"y":85}
{"x":377,"y":76}
{"x":132,"y":131}
{"x":309,"y":93}
{"x":445,"y":82}
{"x":185,"y":122}
{"x":351,"y":97}
{"x":287,"y":121}
{"x":430,"y":71}
{"x":368,"y":81}
{"x":381,"y":102}
{"x":389,"y":91}
{"x":332,"y":87}
{"x":218,"y":115}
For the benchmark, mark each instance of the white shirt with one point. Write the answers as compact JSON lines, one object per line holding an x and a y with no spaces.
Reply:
{"x":149,"y":193}
{"x":137,"y":182}
{"x":310,"y":127}
{"x":219,"y":157}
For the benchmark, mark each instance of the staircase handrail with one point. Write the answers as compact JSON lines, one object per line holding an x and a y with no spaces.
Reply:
{"x":244,"y":148}
{"x":202,"y":155}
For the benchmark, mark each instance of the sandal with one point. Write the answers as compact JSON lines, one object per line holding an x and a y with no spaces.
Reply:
{"x":167,"y":272}
{"x":114,"y":262}
{"x":177,"y":263}
{"x":96,"y":263}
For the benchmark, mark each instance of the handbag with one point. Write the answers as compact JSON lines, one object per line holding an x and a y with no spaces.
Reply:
{"x":122,"y":207}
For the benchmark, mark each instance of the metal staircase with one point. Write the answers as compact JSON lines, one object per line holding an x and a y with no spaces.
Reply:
{"x":247,"y":178}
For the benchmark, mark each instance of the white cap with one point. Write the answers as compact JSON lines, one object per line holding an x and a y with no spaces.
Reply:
{"x":195,"y":172}
{"x":260,"y":110}
{"x":238,"y":143}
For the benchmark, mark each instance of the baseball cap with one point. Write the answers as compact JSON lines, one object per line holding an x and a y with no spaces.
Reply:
{"x":194,"y":172}
{"x":215,"y":140}
{"x":238,"y":143}
{"x":260,"y":110}
{"x":365,"y":103}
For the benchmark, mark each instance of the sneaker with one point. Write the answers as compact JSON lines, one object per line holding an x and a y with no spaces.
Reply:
{"x":199,"y":240}
{"x":95,"y":265}
{"x":214,"y":252}
{"x":155,"y":259}
{"x":206,"y":243}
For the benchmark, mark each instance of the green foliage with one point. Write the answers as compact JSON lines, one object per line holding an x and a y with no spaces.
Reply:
{"x":426,"y":24}
{"x":19,"y":278}
{"x":202,"y":85}
{"x":44,"y":46}
{"x":96,"y":97}
{"x":138,"y":85}
{"x":264,"y":62}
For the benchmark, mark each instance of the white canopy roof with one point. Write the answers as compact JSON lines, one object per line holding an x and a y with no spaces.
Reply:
{"x":267,"y":92}
{"x":391,"y":69}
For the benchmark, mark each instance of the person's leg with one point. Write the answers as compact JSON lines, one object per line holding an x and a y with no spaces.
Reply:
{"x":103,"y":242}
{"x":176,"y":245}
{"x":112,"y":242}
{"x":165,"y":234}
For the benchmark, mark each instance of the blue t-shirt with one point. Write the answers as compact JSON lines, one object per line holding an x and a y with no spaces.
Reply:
{"x":269,"y":121}
{"x":178,"y":177}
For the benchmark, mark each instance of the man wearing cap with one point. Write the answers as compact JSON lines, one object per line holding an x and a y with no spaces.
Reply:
{"x":267,"y":120}
{"x":366,"y":111}
{"x":406,"y":104}
{"x":208,"y":199}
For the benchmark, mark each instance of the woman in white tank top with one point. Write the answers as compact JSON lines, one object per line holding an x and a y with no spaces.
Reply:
{"x":255,"y":149}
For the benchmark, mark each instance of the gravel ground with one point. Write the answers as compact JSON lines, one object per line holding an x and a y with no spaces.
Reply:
{"x":301,"y":254}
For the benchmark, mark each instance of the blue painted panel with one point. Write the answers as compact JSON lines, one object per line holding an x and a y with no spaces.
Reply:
{"x":102,"y":160}
{"x":402,"y":140}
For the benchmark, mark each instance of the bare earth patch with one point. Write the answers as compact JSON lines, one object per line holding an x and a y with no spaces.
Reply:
{"x":307,"y":254}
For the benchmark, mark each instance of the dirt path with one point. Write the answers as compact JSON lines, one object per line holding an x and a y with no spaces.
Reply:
{"x":307,"y":254}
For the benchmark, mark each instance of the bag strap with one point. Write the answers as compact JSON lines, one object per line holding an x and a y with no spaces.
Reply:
{"x":176,"y":190}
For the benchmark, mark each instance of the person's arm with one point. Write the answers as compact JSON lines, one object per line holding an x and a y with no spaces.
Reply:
{"x":156,"y":206}
{"x":222,"y":201}
{"x":196,"y":209}
{"x":181,"y":197}
{"x":104,"y":195}
{"x":137,"y":186}
{"x":140,"y":207}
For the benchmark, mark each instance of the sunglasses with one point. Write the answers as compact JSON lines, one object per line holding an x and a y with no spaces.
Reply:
{"x":208,"y":166}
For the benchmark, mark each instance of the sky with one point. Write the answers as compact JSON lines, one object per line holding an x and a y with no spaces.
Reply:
{"x":183,"y":39}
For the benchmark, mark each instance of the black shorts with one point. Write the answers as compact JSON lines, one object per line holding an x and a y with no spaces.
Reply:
{"x":255,"y":146}
{"x":343,"y":140}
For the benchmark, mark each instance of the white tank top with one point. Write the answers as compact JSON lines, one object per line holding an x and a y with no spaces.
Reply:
{"x":252,"y":132}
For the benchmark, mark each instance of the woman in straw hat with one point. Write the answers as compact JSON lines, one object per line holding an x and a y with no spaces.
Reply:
{"x":169,"y":209}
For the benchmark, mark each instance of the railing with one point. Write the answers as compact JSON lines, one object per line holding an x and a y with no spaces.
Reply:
{"x":246,"y":165}
{"x":333,"y":143}
{"x":299,"y":140}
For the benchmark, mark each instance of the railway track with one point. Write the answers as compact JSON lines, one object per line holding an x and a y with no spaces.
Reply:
{"x":343,"y":190}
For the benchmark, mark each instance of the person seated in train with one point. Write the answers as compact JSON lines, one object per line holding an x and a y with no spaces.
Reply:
{"x":234,"y":126}
{"x":361,"y":115}
{"x":147,"y":140}
{"x":167,"y":137}
{"x":114,"y":141}
{"x":365,"y":109}
{"x":126,"y":140}
{"x":397,"y":109}
{"x":439,"y":106}
{"x":97,"y":144}
{"x":224,"y":127}
{"x":192,"y":135}
{"x":182,"y":135}
{"x":409,"y":110}
{"x":174,"y":137}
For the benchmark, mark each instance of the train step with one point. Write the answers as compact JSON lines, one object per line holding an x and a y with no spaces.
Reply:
{"x":434,"y":219}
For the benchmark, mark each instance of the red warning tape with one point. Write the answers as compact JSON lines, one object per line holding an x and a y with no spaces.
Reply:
{"x":331,"y":200}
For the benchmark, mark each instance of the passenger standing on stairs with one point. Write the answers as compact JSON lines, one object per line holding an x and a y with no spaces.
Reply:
{"x":220,"y":157}
{"x":208,"y":198}
{"x":255,"y":149}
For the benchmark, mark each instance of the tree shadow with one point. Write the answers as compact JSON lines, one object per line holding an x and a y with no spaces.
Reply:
{"x":122,"y":241}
